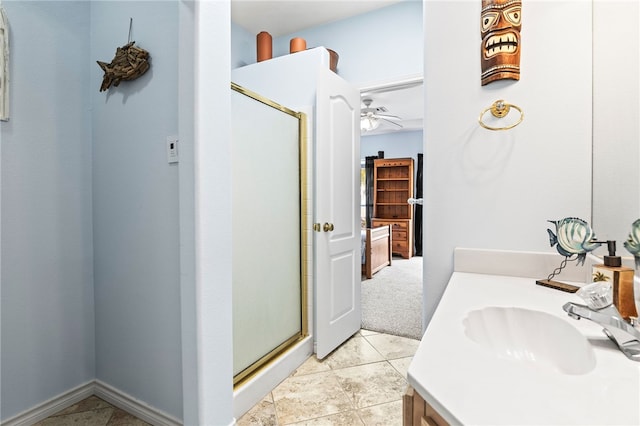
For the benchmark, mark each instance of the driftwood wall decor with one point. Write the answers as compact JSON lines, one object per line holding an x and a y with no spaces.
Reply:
{"x":129,"y":63}
{"x":500,"y":25}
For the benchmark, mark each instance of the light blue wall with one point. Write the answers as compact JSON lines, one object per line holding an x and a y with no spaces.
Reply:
{"x":90,"y":244}
{"x":135,"y":208}
{"x":394,"y":145}
{"x":90,"y":240}
{"x":243,"y":47}
{"x":47,"y":290}
{"x":374,"y":47}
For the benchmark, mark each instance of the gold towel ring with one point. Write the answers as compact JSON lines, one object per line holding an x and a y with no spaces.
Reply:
{"x":500,"y":109}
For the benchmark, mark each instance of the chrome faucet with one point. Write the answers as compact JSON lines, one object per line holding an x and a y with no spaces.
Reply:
{"x":600,"y":309}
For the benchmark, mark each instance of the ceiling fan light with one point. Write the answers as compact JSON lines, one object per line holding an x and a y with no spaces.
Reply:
{"x":369,"y":123}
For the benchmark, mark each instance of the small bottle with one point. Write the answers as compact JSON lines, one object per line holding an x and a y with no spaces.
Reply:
{"x":621,"y":278}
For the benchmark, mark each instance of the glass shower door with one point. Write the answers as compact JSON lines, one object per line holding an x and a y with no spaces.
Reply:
{"x":268,"y":288}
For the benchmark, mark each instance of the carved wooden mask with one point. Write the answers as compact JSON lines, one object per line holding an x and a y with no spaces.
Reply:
{"x":500,"y":24}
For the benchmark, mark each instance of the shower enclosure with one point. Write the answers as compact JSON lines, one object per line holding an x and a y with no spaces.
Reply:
{"x":269,"y":276}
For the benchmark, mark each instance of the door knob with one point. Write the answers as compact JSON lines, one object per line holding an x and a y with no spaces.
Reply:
{"x":316,"y":227}
{"x":327,"y":227}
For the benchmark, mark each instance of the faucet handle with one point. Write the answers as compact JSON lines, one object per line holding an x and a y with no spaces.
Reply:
{"x":597,"y":295}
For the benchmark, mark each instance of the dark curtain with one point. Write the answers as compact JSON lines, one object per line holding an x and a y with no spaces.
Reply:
{"x":417,"y":216}
{"x":368,"y":164}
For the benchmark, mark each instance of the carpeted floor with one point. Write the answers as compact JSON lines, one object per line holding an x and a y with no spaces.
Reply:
{"x":392,"y":299}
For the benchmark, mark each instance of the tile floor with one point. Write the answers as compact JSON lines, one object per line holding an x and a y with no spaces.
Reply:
{"x":92,"y":411}
{"x":360,"y":383}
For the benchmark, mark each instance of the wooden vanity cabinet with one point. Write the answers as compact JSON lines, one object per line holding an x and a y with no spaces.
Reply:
{"x":393,"y":186}
{"x":417,"y":412}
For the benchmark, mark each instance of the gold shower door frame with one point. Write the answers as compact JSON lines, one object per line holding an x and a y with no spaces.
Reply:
{"x":248,"y":372}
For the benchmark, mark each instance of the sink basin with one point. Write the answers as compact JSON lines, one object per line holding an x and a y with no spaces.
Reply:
{"x":535,"y":338}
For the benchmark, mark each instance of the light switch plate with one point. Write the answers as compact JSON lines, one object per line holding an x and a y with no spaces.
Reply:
{"x":172,"y":149}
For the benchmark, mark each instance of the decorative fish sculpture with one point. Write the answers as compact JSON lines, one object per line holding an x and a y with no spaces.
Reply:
{"x":633,"y":242}
{"x":573,"y":236}
{"x":129,"y":63}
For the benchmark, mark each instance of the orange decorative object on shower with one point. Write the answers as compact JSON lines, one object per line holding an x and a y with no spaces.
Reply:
{"x":333,"y":60}
{"x":264,"y":46}
{"x":297,"y":44}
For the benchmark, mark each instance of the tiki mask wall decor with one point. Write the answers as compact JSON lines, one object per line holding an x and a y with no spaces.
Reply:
{"x":500,"y":24}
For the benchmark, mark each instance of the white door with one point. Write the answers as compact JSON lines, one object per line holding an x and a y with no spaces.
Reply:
{"x":337,"y":213}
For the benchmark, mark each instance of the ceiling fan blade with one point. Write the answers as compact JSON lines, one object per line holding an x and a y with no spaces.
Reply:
{"x":391,"y":122}
{"x":387,"y":116}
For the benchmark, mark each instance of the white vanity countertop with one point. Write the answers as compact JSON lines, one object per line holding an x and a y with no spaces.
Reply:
{"x":469,"y":384}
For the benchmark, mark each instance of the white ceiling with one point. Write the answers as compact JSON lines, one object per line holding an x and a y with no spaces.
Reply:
{"x":289,"y":16}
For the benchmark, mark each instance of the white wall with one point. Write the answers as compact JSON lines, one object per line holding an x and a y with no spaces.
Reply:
{"x":186,"y":177}
{"x":135,"y":208}
{"x":616,"y":171}
{"x":488,"y":189}
{"x":47,"y":290}
{"x":211,"y":206}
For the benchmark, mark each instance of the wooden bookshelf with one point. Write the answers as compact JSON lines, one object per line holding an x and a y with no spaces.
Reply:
{"x":393,"y":186}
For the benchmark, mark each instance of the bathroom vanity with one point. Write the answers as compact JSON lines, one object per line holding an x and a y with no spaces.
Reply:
{"x":501,"y":350}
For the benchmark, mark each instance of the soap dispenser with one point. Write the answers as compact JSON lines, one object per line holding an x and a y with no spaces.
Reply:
{"x":621,"y":278}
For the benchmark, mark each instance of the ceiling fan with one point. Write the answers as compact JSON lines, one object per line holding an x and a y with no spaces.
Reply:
{"x":370,"y":118}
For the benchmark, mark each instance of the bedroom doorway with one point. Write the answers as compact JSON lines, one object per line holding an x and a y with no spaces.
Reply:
{"x":391,"y":128}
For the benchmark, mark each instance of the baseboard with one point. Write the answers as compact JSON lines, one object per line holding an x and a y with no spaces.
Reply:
{"x":134,"y":406}
{"x":52,"y":406}
{"x":102,"y":390}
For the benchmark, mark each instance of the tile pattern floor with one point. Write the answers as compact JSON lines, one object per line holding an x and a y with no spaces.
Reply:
{"x":92,"y":411}
{"x":360,"y":383}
